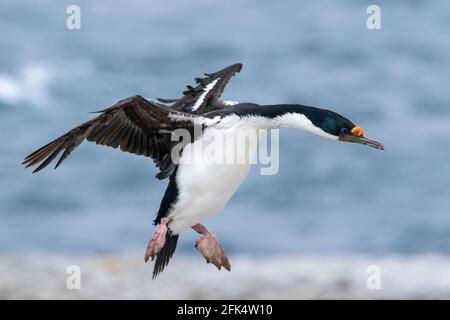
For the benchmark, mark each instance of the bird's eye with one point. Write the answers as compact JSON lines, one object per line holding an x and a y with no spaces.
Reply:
{"x":344,"y":130}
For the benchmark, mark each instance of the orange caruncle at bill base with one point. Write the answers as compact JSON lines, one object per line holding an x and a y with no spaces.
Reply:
{"x":358,"y":131}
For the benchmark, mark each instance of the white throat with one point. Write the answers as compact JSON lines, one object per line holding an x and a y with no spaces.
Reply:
{"x":300,"y":121}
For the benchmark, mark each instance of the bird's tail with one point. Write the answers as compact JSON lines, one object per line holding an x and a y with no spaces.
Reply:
{"x":164,"y":255}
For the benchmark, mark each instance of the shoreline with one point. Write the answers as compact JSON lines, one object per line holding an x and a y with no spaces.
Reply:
{"x":126,"y":276}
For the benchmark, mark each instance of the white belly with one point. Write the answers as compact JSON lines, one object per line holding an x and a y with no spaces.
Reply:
{"x":205,"y":186}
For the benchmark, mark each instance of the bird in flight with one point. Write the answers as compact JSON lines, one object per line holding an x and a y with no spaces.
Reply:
{"x":197,"y":188}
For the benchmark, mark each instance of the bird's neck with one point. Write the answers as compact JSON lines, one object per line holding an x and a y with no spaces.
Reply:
{"x":287,"y":116}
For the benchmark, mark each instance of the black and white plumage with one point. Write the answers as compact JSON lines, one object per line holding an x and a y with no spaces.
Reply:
{"x":197,"y":189}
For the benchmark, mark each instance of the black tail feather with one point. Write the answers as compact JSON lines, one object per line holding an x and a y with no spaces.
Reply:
{"x":163,"y":257}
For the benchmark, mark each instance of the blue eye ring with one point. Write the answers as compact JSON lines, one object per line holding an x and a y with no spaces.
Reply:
{"x":344,"y":130}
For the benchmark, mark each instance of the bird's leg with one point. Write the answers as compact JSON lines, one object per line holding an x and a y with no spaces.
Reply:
{"x":210,"y":248}
{"x":157,"y":241}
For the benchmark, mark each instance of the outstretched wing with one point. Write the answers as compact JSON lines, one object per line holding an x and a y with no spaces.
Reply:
{"x":205,"y":96}
{"x":134,"y":124}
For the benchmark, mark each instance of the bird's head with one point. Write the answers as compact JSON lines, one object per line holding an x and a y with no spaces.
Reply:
{"x":340,"y":128}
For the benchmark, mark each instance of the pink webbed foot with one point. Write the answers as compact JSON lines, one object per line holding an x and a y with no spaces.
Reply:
{"x":157,"y":241}
{"x":210,"y":248}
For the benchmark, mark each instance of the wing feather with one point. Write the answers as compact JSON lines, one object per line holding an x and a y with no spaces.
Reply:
{"x":205,"y":96}
{"x":134,"y":125}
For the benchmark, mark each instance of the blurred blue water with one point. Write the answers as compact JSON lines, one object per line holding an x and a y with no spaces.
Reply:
{"x":327,"y":197}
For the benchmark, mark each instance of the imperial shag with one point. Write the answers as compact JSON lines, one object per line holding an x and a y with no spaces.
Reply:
{"x":196,"y":189}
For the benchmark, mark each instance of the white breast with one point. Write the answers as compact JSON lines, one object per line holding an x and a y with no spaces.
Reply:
{"x":204,"y":185}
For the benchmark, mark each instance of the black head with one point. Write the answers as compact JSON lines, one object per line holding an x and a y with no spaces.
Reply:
{"x":327,"y":120}
{"x":338,"y":126}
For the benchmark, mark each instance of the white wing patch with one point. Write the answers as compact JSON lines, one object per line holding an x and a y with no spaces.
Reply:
{"x":208,"y":88}
{"x":195,"y":119}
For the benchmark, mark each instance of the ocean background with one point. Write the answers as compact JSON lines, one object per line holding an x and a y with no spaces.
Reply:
{"x":328,"y":198}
